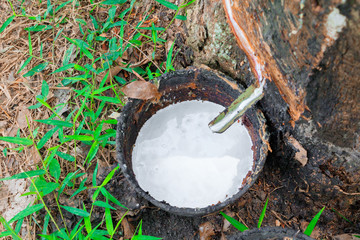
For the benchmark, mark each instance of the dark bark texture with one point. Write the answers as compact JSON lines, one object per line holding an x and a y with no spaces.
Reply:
{"x":311,"y":54}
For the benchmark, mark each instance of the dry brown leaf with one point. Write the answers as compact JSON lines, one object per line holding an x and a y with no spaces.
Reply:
{"x":3,"y":124}
{"x":127,"y":228}
{"x":21,"y":117}
{"x":277,"y":223}
{"x":141,"y":90}
{"x":206,"y":230}
{"x":347,"y":236}
{"x":223,"y":237}
{"x":6,"y":92}
{"x":35,"y":158}
{"x":301,"y":153}
{"x":113,"y":72}
{"x":114,"y":115}
{"x":315,"y":233}
{"x":138,"y":76}
{"x":227,"y":224}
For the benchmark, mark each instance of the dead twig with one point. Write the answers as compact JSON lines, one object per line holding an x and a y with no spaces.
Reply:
{"x":7,"y":115}
{"x":346,"y":193}
{"x":279,"y":218}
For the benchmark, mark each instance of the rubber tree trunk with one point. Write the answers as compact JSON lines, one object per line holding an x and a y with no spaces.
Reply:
{"x":309,"y":54}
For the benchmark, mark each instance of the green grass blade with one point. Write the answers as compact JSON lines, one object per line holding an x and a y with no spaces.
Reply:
{"x":120,"y":80}
{"x":109,"y":176}
{"x":82,"y":107}
{"x":39,"y":28}
{"x":62,"y":5}
{"x":90,"y":235}
{"x":100,"y":90}
{"x":36,"y":69}
{"x":113,"y":2}
{"x":46,"y":224}
{"x":18,"y":226}
{"x":76,"y":229}
{"x":58,"y":34}
{"x":5,"y":234}
{"x":169,"y":59}
{"x":38,"y":104}
{"x":98,"y":130}
{"x":87,"y":222}
{"x":80,"y":137}
{"x":144,"y":237}
{"x":76,"y":211}
{"x":67,"y":179}
{"x":58,"y":123}
{"x":187,"y":4}
{"x":9,"y":229}
{"x":112,"y":12}
{"x":46,"y":137}
{"x":96,"y":193}
{"x":44,"y":89}
{"x":49,"y":188}
{"x":67,"y":54}
{"x":41,"y":50}
{"x":54,"y":168}
{"x":5,"y":152}
{"x":108,"y":99}
{"x":82,"y":21}
{"x":94,"y":22}
{"x":26,"y":212}
{"x":65,"y":156}
{"x":82,"y":45}
{"x":25,"y":175}
{"x":168,"y":4}
{"x":17,"y":140}
{"x":181,"y":17}
{"x":118,"y":223}
{"x":27,"y":61}
{"x":92,"y":152}
{"x":103,"y":204}
{"x":79,"y":190}
{"x":30,"y":43}
{"x":238,"y":225}
{"x":95,"y":174}
{"x":313,"y":222}
{"x":108,"y":221}
{"x":342,"y":216}
{"x":64,"y":68}
{"x":151,"y":28}
{"x":6,"y":23}
{"x":261,"y":218}
{"x":79,"y":68}
{"x":140,"y":228}
{"x":111,"y":197}
{"x":40,"y":100}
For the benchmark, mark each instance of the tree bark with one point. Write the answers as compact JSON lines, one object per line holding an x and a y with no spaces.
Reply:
{"x":310,"y":57}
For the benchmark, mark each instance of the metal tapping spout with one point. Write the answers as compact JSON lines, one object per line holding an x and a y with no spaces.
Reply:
{"x":237,"y":108}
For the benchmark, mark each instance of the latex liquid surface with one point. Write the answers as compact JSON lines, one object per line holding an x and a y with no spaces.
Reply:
{"x":178,"y":159}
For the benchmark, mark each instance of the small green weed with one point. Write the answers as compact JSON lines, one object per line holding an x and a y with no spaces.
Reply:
{"x":241,"y":227}
{"x":238,"y":225}
{"x":342,"y":216}
{"x":310,"y":228}
{"x":89,"y":73}
{"x":262,"y":215}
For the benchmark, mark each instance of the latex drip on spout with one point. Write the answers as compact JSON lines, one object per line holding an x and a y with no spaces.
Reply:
{"x":236,"y":109}
{"x":252,"y":94}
